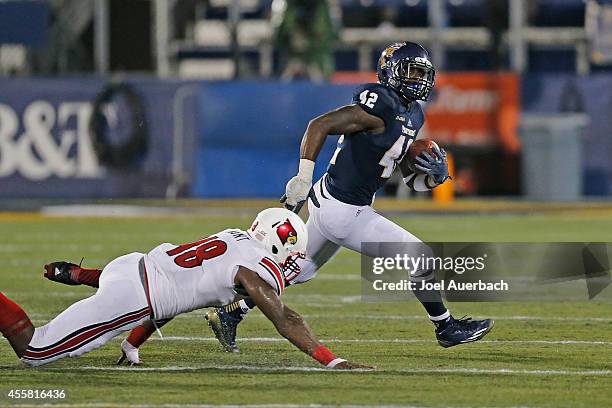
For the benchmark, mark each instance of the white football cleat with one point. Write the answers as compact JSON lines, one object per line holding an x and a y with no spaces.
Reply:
{"x":130,"y":353}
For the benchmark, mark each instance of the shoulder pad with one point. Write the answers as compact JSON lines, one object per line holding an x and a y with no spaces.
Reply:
{"x":376,"y":99}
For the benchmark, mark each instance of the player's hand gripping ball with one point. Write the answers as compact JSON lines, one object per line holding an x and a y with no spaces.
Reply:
{"x":426,"y":157}
{"x":419,"y":146}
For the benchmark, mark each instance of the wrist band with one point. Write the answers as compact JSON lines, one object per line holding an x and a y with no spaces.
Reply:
{"x":335,"y":362}
{"x":323,"y":355}
{"x":306,"y":169}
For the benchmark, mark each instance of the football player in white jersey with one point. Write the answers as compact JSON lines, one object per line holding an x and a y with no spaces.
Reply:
{"x":170,"y":280}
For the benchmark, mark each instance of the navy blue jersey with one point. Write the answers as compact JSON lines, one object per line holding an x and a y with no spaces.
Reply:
{"x":364,"y":161}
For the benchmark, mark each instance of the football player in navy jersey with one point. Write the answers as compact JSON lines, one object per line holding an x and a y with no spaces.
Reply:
{"x":377,"y":129}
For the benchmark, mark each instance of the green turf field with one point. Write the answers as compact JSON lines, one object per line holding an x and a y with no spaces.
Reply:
{"x":539,"y":354}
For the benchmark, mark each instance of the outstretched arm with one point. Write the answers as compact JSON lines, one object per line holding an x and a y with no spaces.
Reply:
{"x":289,"y":323}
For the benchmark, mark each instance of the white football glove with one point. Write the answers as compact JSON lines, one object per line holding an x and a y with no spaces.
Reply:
{"x":299,"y":186}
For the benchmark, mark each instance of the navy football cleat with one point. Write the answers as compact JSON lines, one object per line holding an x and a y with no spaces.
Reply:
{"x":464,"y":330}
{"x":224,"y":326}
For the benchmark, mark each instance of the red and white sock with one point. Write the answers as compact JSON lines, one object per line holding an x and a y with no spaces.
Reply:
{"x":13,"y":320}
{"x":139,"y":335}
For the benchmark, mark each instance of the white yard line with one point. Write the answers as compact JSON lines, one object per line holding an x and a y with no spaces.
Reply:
{"x":386,"y":341}
{"x":111,"y":405}
{"x":89,"y":247}
{"x":459,"y":370}
{"x":423,"y":317}
{"x":338,"y":277}
{"x":331,"y":316}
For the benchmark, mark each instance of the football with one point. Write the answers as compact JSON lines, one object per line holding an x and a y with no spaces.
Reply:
{"x":417,"y":147}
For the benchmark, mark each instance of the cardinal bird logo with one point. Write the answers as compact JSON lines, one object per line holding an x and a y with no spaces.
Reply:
{"x":287,"y":233}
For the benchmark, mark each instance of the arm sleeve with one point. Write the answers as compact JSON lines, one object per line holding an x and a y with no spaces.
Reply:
{"x":419,"y":182}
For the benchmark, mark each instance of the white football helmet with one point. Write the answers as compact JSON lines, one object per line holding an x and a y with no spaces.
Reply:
{"x":284,"y":235}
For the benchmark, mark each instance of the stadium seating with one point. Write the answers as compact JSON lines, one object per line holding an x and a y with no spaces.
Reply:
{"x":555,"y":36}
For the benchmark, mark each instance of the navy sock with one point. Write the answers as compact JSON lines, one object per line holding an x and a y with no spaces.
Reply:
{"x":431,"y":299}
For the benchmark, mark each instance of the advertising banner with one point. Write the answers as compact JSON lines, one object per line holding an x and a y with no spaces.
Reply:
{"x":46,"y":149}
{"x":478,"y":109}
{"x":475,"y":109}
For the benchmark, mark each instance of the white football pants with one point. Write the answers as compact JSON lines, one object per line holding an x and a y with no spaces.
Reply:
{"x":120,"y":304}
{"x":335,"y":224}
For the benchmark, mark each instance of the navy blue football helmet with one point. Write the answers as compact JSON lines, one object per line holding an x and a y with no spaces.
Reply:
{"x":406,"y":68}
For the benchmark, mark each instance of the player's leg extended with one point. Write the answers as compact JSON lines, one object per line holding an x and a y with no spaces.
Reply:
{"x":224,"y":321}
{"x":69,"y":273}
{"x":369,"y":226}
{"x":119,"y":305}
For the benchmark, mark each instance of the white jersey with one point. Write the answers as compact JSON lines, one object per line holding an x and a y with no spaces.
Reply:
{"x":201,"y":274}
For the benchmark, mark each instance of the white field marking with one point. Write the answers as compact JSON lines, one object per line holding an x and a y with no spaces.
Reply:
{"x":45,"y":237}
{"x":62,"y":294}
{"x":386,"y":341}
{"x":332,"y":316}
{"x":112,"y":405}
{"x":105,"y":210}
{"x":37,"y":264}
{"x":337,"y":277}
{"x":297,"y":298}
{"x":458,"y":370}
{"x":91,"y":247}
{"x":326,"y":298}
{"x":423,"y":317}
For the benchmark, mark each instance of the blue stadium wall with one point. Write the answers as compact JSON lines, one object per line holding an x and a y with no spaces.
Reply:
{"x":251,"y":131}
{"x":243,"y":137}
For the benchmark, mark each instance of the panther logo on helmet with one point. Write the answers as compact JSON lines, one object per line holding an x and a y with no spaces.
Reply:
{"x":388,"y":53}
{"x":287,"y":233}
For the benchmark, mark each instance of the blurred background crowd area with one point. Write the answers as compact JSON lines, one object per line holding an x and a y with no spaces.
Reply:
{"x":153,"y":98}
{"x":201,"y":38}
